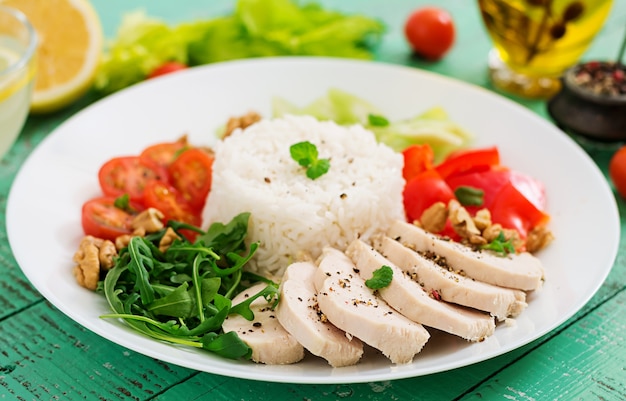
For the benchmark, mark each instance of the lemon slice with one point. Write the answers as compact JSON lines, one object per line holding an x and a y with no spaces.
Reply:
{"x":13,"y":81}
{"x":70,"y":44}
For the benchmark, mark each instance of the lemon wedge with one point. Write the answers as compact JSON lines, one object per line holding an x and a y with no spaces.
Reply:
{"x":70,"y":43}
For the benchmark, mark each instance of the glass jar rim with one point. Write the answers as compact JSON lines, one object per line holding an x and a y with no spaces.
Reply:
{"x":28,"y":53}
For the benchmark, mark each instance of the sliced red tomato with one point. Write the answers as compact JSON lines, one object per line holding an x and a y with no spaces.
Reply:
{"x":468,"y":160}
{"x":417,"y":158}
{"x":102,"y":219}
{"x":167,"y":68}
{"x":129,"y":175}
{"x":512,"y":209}
{"x":423,"y":191}
{"x":190,"y":174}
{"x":164,"y":197}
{"x":164,"y":153}
{"x":489,"y":181}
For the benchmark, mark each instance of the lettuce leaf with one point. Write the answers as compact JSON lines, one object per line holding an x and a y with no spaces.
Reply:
{"x":256,"y":28}
{"x":432,"y":126}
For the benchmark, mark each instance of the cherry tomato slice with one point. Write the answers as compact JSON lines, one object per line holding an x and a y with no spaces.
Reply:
{"x":102,"y":219}
{"x":163,"y":154}
{"x":190,"y":174}
{"x":417,"y":159}
{"x":423,"y":191}
{"x":169,"y":201}
{"x":167,"y":68}
{"x":470,"y":160}
{"x":129,"y":175}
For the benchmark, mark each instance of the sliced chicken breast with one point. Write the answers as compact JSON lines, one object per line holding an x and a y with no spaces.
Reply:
{"x":298,"y":312}
{"x":522,"y":271}
{"x":351,"y":306}
{"x":270,"y":342}
{"x":410,"y":299}
{"x":452,"y":287}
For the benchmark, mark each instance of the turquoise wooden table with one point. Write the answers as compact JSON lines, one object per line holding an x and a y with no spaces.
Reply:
{"x":46,"y":356}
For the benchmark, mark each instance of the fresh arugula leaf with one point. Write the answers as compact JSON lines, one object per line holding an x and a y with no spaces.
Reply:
{"x":183,"y":295}
{"x":306,"y":154}
{"x":381,"y":278}
{"x":469,"y":196}
{"x":270,"y":293}
{"x":178,"y":303}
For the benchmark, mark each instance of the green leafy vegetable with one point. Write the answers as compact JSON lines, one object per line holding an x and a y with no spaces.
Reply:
{"x":433,"y":126}
{"x":381,"y":278}
{"x":183,"y":295}
{"x":306,"y":154}
{"x":500,"y":245}
{"x":377,"y":121}
{"x":255,"y":28}
{"x":123,"y":202}
{"x":469,"y":196}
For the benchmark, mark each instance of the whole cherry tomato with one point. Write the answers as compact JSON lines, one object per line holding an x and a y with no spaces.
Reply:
{"x":430,"y":32}
{"x":617,"y":171}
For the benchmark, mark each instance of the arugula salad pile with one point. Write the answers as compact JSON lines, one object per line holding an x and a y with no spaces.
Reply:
{"x":183,"y":294}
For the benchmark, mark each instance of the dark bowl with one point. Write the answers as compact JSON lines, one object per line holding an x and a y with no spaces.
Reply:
{"x":581,"y":111}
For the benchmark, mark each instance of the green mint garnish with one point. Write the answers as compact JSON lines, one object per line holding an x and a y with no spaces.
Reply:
{"x":500,"y":245}
{"x":381,"y":278}
{"x":377,"y":121}
{"x":306,"y":154}
{"x":469,"y":196}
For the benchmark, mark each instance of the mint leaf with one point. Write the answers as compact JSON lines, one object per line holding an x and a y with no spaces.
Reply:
{"x":381,"y":278}
{"x":500,"y":245}
{"x":469,"y":196}
{"x":377,"y":121}
{"x":306,"y":154}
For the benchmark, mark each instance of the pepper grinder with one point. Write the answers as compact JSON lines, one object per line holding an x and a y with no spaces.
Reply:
{"x":592,"y":101}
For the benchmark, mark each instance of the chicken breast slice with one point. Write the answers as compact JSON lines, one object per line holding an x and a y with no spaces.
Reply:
{"x":351,"y":306}
{"x":271,"y":344}
{"x":411,"y":300}
{"x":521,"y":271}
{"x":298,"y":312}
{"x":452,"y":287}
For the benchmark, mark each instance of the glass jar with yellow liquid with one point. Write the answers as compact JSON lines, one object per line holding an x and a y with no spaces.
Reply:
{"x":17,"y":69}
{"x":535,"y":41}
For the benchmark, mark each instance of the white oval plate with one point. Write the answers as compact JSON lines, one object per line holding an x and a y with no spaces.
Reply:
{"x":45,"y":200}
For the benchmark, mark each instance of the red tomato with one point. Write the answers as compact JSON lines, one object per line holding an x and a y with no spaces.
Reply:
{"x":417,"y":158}
{"x":468,"y":160}
{"x":512,"y":209}
{"x":617,"y":171}
{"x":423,"y":191}
{"x":167,"y":68}
{"x":102,"y":219}
{"x":128,"y":175}
{"x":169,"y":201}
{"x":430,"y":32}
{"x":190,"y":174}
{"x":164,"y":153}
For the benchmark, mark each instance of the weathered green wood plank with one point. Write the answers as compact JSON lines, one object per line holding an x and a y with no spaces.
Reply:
{"x":584,"y":362}
{"x":44,"y":355}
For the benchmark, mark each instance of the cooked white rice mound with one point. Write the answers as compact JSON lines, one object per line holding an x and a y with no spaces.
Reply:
{"x":292,"y":214}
